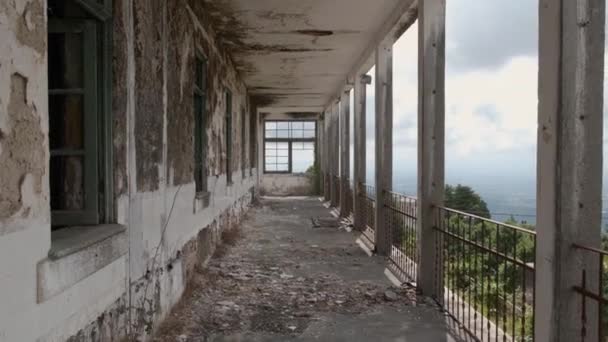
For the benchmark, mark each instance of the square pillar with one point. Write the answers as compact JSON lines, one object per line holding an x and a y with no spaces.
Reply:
{"x":334,"y":155}
{"x":384,"y":142}
{"x":431,"y":138}
{"x":327,"y":165}
{"x":569,"y":167}
{"x":345,"y":153}
{"x":320,"y":154}
{"x":360,"y":146}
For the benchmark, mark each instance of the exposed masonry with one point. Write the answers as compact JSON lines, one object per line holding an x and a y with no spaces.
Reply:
{"x":22,"y":112}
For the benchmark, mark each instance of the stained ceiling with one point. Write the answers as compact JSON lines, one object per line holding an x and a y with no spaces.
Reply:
{"x":295,"y":54}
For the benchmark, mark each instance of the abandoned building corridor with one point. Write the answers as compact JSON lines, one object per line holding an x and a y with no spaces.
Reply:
{"x":284,"y":278}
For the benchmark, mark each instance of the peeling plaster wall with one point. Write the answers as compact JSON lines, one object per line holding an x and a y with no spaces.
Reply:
{"x":169,"y":230}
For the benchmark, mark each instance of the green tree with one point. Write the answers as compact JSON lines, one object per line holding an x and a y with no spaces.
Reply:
{"x":464,"y":198}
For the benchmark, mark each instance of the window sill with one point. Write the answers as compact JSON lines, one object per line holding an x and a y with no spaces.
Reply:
{"x":76,"y":253}
{"x":201,"y":200}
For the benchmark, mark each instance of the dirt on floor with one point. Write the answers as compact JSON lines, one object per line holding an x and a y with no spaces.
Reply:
{"x":276,"y":275}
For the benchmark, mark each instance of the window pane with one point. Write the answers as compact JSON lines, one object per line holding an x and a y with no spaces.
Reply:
{"x":65,"y":60}
{"x":297,"y":125}
{"x":308,"y":145}
{"x":271,"y":145}
{"x":309,"y":134}
{"x":283,"y":133}
{"x":309,"y":125}
{"x":282,"y":167}
{"x":66,"y":122}
{"x":67,"y":179}
{"x":271,"y":133}
{"x":283,"y":125}
{"x":298,"y":134}
{"x":302,"y":160}
{"x":271,"y":125}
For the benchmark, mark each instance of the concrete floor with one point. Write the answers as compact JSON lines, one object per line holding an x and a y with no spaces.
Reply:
{"x":285,"y":280}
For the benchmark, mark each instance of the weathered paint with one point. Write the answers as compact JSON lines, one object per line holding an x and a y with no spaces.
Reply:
{"x":384,"y":141}
{"x":569,"y":159}
{"x":431,"y":136}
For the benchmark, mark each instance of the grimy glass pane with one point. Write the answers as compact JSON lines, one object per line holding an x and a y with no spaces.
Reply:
{"x":271,"y":125}
{"x":65,"y":60}
{"x":282,"y":167}
{"x":283,"y":125}
{"x":309,"y":125}
{"x":66,"y":125}
{"x":67,"y":183}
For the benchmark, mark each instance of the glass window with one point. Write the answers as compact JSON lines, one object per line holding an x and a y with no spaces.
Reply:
{"x":289,"y":146}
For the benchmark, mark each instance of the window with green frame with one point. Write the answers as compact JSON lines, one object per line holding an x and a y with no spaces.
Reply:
{"x":228,"y":137}
{"x":79,"y":79}
{"x":200,"y":132}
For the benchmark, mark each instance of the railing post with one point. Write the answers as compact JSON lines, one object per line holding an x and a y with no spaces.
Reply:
{"x":384,"y":141}
{"x":360,"y":146}
{"x":431,"y":136}
{"x":344,"y":153}
{"x":569,"y":173}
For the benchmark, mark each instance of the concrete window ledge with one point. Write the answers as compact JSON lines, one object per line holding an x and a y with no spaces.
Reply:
{"x":76,"y":253}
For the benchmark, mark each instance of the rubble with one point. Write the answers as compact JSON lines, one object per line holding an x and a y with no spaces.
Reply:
{"x":261,"y":288}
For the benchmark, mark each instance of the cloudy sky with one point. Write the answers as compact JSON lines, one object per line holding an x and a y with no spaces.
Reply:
{"x":491,"y":95}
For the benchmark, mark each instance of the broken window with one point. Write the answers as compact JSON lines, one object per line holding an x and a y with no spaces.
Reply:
{"x":200,"y":133}
{"x":228,"y":137}
{"x":78,"y":72}
{"x":289,"y":146}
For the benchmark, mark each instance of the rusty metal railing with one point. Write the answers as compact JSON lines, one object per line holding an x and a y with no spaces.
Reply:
{"x":486,"y":275}
{"x":594,"y":291}
{"x":367,"y":195}
{"x":401,"y":221}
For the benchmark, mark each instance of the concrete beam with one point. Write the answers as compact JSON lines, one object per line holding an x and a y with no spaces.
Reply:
{"x":431,"y":136}
{"x":360,"y":146}
{"x":345,"y":153}
{"x":569,"y":174}
{"x":384,"y":141}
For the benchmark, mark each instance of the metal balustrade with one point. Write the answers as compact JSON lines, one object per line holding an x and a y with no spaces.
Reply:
{"x":485,"y":275}
{"x":401,"y":222}
{"x":593,"y":291}
{"x":367,"y":195}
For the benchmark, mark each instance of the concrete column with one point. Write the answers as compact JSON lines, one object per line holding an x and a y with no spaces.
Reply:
{"x":320,"y":153}
{"x":360,"y":146}
{"x":384,"y":141}
{"x":326,"y":144}
{"x":334,"y":154}
{"x":431,"y":136}
{"x":345,"y":153}
{"x":569,"y":172}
